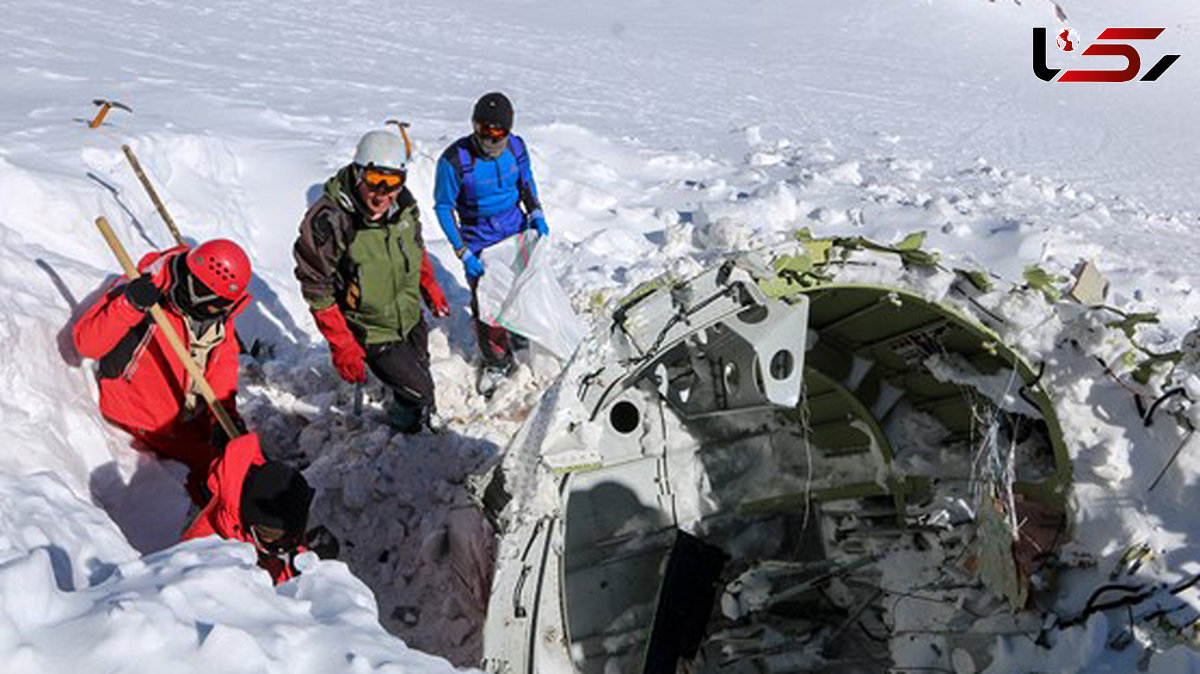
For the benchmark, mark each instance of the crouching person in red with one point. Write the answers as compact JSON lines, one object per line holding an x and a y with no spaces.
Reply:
{"x":264,"y":503}
{"x":144,"y":388}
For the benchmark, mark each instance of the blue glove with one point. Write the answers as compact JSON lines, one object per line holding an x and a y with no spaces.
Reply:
{"x":539,"y":222}
{"x":472,"y":265}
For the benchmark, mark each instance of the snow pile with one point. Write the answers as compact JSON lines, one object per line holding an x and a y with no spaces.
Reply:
{"x":76,"y":595}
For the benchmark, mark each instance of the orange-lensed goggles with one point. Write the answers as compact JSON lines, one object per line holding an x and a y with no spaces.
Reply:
{"x":383,"y":181}
{"x":493,"y":132}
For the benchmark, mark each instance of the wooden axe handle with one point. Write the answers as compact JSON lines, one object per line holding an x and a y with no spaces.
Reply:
{"x":403,"y":127}
{"x":407,"y":142}
{"x":105,"y":106}
{"x":156,"y":312}
{"x":162,"y":209}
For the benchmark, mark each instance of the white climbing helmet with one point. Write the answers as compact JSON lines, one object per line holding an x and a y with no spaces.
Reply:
{"x":381,"y":149}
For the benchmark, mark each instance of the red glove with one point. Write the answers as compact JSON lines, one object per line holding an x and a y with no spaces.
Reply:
{"x":348,"y":355}
{"x":431,"y":291}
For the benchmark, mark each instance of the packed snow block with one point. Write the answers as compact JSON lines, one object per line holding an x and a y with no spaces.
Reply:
{"x":519,"y":293}
{"x":685,"y":602}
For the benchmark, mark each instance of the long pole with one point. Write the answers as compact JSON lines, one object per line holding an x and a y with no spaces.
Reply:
{"x":156,"y":312}
{"x":162,"y":210}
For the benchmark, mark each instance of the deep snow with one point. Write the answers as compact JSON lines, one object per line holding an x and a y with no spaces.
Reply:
{"x":663,"y":134}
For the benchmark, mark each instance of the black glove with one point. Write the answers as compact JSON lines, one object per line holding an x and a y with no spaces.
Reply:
{"x":322,"y":541}
{"x":219,"y":438}
{"x":142,"y":293}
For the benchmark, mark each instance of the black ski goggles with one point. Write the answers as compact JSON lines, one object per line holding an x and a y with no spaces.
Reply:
{"x":204,"y":299}
{"x":280,"y":543}
{"x":492,"y":133}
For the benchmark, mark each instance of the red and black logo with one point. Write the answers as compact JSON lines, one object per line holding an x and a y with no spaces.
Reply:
{"x":1067,"y":42}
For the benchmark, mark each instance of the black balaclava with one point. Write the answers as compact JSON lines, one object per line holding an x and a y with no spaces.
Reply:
{"x":179,"y":296}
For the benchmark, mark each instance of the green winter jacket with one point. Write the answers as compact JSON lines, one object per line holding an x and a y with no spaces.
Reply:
{"x":372,"y":270}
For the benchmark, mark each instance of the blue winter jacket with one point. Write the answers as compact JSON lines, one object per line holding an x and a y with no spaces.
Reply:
{"x":488,"y":199}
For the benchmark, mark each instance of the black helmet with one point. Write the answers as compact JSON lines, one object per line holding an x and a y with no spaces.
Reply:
{"x":494,"y":109}
{"x":276,"y":495}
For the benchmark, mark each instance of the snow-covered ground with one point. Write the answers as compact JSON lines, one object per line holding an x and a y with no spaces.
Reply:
{"x":663,"y":134}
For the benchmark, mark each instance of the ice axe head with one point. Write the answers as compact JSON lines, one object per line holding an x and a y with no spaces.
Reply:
{"x":403,"y":126}
{"x":105,"y":105}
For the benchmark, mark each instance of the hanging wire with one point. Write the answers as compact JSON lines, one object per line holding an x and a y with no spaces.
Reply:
{"x":993,"y":471}
{"x":806,"y":432}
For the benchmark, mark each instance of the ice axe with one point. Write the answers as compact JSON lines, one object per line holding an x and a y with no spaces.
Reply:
{"x":105,"y":106}
{"x":403,"y":126}
{"x":162,"y":209}
{"x":156,"y":312}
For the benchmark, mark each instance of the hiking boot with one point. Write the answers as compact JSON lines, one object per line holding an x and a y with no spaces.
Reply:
{"x":491,"y":376}
{"x":404,"y":417}
{"x":518,"y":342}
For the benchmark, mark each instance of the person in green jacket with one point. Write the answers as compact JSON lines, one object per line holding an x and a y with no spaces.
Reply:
{"x":363,"y":270}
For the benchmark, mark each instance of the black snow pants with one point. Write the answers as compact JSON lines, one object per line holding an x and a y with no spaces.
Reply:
{"x":404,"y":366}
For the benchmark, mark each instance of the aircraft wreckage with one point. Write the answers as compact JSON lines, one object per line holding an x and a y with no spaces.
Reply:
{"x":790,"y":463}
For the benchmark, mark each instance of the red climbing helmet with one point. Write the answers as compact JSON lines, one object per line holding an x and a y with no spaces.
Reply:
{"x":222,"y":266}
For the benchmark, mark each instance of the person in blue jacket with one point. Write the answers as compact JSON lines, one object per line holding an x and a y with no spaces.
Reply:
{"x":484,"y":193}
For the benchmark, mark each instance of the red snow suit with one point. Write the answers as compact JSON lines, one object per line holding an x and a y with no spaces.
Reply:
{"x":143,"y":383}
{"x":223,"y":514}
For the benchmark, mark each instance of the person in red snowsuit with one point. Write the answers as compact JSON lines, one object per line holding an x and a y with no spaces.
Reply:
{"x":144,"y":387}
{"x":264,"y":503}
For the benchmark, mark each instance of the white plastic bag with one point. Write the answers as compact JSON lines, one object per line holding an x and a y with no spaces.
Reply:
{"x":519,"y":293}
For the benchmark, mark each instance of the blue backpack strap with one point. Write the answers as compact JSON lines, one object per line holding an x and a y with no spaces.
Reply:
{"x":518,"y":149}
{"x":531,"y":203}
{"x":466,"y":169}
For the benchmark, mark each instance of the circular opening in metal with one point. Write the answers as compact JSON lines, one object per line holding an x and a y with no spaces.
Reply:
{"x":782,"y":364}
{"x":753,"y":315}
{"x":624,"y":417}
